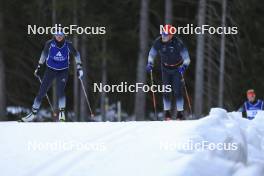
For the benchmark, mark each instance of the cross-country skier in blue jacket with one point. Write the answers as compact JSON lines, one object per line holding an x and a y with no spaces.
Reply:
{"x":174,"y":61}
{"x":252,"y":105}
{"x":56,"y":55}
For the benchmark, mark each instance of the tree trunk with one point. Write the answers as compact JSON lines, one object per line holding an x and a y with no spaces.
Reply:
{"x":76,"y":86}
{"x":141,"y":75}
{"x":104,"y":80}
{"x":2,"y":88}
{"x":222,"y":58}
{"x":199,"y":72}
{"x":54,"y":92}
{"x":168,"y":20}
{"x":83,"y":104}
{"x":168,"y":11}
{"x":2,"y":76}
{"x":209,"y":64}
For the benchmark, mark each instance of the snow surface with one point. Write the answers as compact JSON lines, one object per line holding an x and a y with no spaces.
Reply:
{"x":135,"y":148}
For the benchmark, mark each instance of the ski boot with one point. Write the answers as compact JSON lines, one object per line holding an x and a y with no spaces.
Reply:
{"x":31,"y":117}
{"x":167,"y":115}
{"x":180,"y":115}
{"x":62,"y":115}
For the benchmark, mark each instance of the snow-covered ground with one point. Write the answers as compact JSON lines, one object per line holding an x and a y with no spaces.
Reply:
{"x":221,"y":144}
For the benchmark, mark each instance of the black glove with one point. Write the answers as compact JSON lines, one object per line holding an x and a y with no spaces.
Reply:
{"x":37,"y":71}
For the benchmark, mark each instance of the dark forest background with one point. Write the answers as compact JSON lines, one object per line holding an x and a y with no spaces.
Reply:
{"x":222,"y":67}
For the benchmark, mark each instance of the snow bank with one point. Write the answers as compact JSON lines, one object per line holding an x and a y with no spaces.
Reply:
{"x":220,"y":144}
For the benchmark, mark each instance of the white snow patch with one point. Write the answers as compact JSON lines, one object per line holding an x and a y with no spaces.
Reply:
{"x":169,"y":148}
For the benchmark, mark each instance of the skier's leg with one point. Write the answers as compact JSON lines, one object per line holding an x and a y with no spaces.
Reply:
{"x":178,"y":92}
{"x":166,"y":95}
{"x":61,"y":79}
{"x":46,"y":83}
{"x":48,"y":77}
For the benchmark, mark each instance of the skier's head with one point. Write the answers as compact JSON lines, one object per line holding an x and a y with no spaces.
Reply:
{"x":167,"y":34}
{"x":59,"y":36}
{"x":251,"y":95}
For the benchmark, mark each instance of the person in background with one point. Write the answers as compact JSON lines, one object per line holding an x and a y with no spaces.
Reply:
{"x":175,"y":60}
{"x":252,"y":105}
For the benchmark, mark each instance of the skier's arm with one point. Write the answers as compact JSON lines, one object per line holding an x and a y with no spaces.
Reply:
{"x":154,"y":51}
{"x":42,"y":59}
{"x":78,"y":61}
{"x":242,"y":108}
{"x":44,"y":53}
{"x":152,"y":55}
{"x":185,"y":55}
{"x":75,"y":53}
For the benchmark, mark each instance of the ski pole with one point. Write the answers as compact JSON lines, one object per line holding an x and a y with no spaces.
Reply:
{"x":187,"y":95}
{"x":47,"y":97}
{"x":153,"y":96}
{"x":86,"y":97}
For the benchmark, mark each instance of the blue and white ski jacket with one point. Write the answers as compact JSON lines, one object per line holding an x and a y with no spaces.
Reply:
{"x":252,"y":109}
{"x":58,"y":57}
